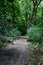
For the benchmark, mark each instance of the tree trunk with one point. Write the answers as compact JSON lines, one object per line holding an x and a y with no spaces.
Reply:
{"x":33,"y":18}
{"x":34,"y":12}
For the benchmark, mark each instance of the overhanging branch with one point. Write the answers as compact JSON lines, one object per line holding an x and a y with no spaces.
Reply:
{"x":39,"y":3}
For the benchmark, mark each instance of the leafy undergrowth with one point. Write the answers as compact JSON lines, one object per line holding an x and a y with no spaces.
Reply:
{"x":36,"y":33}
{"x":36,"y":54}
{"x":13,"y":32}
{"x":8,"y":38}
{"x":4,"y":40}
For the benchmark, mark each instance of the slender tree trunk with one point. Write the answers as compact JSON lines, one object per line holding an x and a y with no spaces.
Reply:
{"x":34,"y":12}
{"x":34,"y":15}
{"x":26,"y":17}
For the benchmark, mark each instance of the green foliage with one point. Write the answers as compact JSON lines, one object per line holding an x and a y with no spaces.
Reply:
{"x":35,"y":54}
{"x":3,"y":25}
{"x":13,"y":32}
{"x":9,"y":13}
{"x":16,"y":16}
{"x":35,"y":33}
{"x":4,"y":40}
{"x":39,"y":16}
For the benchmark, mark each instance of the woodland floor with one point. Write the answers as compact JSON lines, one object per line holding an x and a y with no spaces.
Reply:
{"x":15,"y":54}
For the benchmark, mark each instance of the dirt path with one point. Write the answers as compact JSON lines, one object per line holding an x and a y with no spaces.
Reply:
{"x":15,"y":54}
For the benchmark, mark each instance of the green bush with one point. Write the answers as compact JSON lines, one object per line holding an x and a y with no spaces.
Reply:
{"x":35,"y":54}
{"x":13,"y":32}
{"x":4,"y":40}
{"x":35,"y":33}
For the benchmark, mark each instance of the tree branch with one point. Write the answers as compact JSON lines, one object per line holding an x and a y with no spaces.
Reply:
{"x":33,"y":1}
{"x":36,"y":3}
{"x":39,"y":3}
